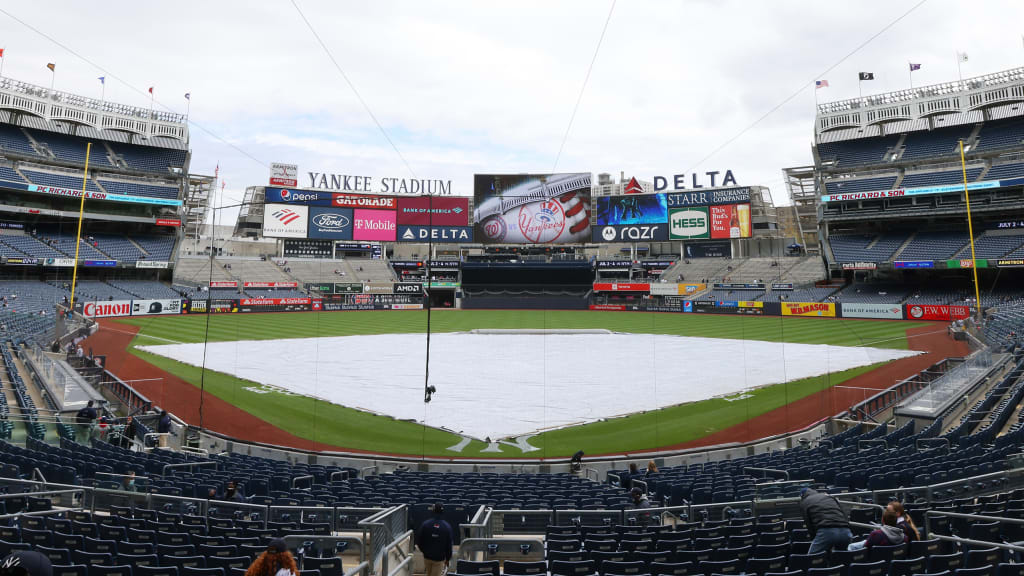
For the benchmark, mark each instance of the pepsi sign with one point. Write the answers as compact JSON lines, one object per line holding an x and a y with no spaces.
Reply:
{"x":330,"y":223}
{"x":289,"y":196}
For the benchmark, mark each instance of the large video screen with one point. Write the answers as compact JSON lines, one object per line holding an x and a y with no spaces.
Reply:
{"x":532,"y":208}
{"x":631,"y":209}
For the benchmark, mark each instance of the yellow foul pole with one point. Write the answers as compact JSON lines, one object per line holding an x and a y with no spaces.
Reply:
{"x":970,"y":232}
{"x":81,"y":213}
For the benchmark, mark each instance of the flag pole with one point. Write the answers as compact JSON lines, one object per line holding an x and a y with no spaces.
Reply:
{"x":81,"y":213}
{"x":970,"y":232}
{"x":959,"y":76}
{"x":860,"y":87}
{"x":911,"y":68}
{"x":4,"y":49}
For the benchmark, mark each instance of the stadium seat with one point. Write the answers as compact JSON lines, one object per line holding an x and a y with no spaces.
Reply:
{"x":70,"y":570}
{"x":96,"y":570}
{"x":761,"y":565}
{"x":582,"y":568}
{"x":674,"y":569}
{"x":462,"y":566}
{"x":155,"y":571}
{"x":513,"y":568}
{"x":907,"y":567}
{"x":986,"y":557}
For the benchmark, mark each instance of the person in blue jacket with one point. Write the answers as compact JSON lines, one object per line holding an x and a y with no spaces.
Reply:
{"x":434,"y":539}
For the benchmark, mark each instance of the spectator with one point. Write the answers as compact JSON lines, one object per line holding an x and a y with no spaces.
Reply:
{"x":26,"y":563}
{"x":825,"y":520}
{"x":652,"y":468}
{"x":128,"y":482}
{"x":86,"y":419}
{"x":163,"y":426}
{"x":633,"y":468}
{"x":640,"y":500}
{"x":232,"y":493}
{"x":888,"y":534}
{"x":434,"y":539}
{"x":276,"y":560}
{"x":904,"y":521}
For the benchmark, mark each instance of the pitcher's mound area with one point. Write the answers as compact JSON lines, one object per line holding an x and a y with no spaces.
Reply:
{"x":502,"y":385}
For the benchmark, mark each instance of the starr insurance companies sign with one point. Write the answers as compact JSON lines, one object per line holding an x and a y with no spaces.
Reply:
{"x":287,"y":175}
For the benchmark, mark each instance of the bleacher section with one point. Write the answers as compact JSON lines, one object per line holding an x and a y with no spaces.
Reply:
{"x":10,"y":175}
{"x":933,"y":246}
{"x":275,"y":293}
{"x":13,"y":140}
{"x":137,"y":189}
{"x":874,"y":293}
{"x":197,"y":269}
{"x":922,"y":179}
{"x":853,"y":152}
{"x":1005,"y":171}
{"x":148,"y":159}
{"x":798,"y":295}
{"x":934,"y":144}
{"x":1000,"y":135}
{"x":855,"y":247}
{"x":849,"y":186}
{"x":992,"y":246}
{"x":145,"y":289}
{"x":59,"y":180}
{"x":70,"y":149}
{"x":160,"y":248}
{"x":30,"y":246}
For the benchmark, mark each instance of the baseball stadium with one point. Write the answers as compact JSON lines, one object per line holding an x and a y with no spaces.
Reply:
{"x":565,"y":373}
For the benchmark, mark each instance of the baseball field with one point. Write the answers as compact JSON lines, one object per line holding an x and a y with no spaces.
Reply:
{"x":252,"y":410}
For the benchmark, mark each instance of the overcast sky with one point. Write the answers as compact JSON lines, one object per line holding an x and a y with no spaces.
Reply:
{"x":481,"y":87}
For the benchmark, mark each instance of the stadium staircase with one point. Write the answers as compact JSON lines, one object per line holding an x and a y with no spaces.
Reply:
{"x":896,"y":254}
{"x":13,"y":419}
{"x":805,"y":270}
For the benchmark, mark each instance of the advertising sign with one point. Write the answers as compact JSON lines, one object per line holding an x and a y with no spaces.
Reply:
{"x":730,"y":221}
{"x":284,"y":174}
{"x":532,"y":208}
{"x":101,"y":263}
{"x":439,"y":234}
{"x":223,"y":306}
{"x":285,"y":221}
{"x":707,"y":250}
{"x":152,"y":264}
{"x":621,"y":287}
{"x":374,"y":225}
{"x":60,"y":262}
{"x":689,"y":223}
{"x":616,"y":307}
{"x":72,"y":193}
{"x":364,"y":201}
{"x":966,"y":263}
{"x":433,"y":211}
{"x":330,"y":223}
{"x":270,"y":285}
{"x":631,"y":233}
{"x":901,"y":192}
{"x":723,"y":308}
{"x":859,"y":266}
{"x":1010,"y":263}
{"x":273,"y":304}
{"x":1005,"y":225}
{"x":782,"y":286}
{"x":631,"y":209}
{"x":913,"y":264}
{"x":937,"y":312}
{"x":224,"y":284}
{"x":708,"y":197}
{"x":378,"y":288}
{"x":823,"y":309}
{"x":290,"y":196}
{"x":614,"y":264}
{"x":671,"y":289}
{"x":107,"y":309}
{"x":156,"y":307}
{"x":408,"y":288}
{"x":172,"y":222}
{"x":194,"y":307}
{"x":881,"y":311}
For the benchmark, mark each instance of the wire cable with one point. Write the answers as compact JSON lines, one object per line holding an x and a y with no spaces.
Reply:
{"x":583,"y":88}
{"x":352,"y":86}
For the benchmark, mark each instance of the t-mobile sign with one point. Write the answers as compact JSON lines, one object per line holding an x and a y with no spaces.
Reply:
{"x":374,"y":225}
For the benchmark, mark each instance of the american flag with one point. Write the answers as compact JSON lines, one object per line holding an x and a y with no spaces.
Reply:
{"x":820,"y":84}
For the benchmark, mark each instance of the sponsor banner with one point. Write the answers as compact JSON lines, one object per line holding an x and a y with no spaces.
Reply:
{"x":72,"y":193}
{"x":156,"y":307}
{"x":621,"y":287}
{"x":937,"y":312}
{"x":442,"y":234}
{"x":330,"y":223}
{"x":707,"y":250}
{"x":303,"y":197}
{"x":374,"y":225}
{"x":670,"y":289}
{"x":433,"y":211}
{"x":750,"y":304}
{"x":632,"y":233}
{"x":913,"y":264}
{"x":407,"y":306}
{"x":194,"y":306}
{"x":615,"y":264}
{"x":316,"y":304}
{"x":966,"y":263}
{"x":1005,"y":225}
{"x":270,"y":284}
{"x":782,"y":286}
{"x":689,"y":224}
{"x":101,"y":263}
{"x":901,"y":192}
{"x":707,"y":197}
{"x":284,"y":174}
{"x":823,"y":309}
{"x":861,"y":310}
{"x":607,"y":307}
{"x":60,"y":262}
{"x":1010,"y":263}
{"x":738,"y":286}
{"x":223,"y":306}
{"x":364,"y":201}
{"x":172,"y":222}
{"x":274,"y":304}
{"x":224,"y":284}
{"x":532,"y":208}
{"x":408,"y":288}
{"x":722,"y":308}
{"x":152,"y":264}
{"x":12,"y":225}
{"x":445,"y":264}
{"x":284,"y":221}
{"x":442,"y":284}
{"x":107,"y":309}
{"x":378,"y":288}
{"x":631,"y":209}
{"x":662,"y":264}
{"x":687,"y":306}
{"x":730,"y":221}
{"x":860,"y":265}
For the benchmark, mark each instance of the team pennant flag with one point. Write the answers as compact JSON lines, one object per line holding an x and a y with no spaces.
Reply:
{"x":102,"y":79}
{"x":52,"y":67}
{"x":914,"y":67}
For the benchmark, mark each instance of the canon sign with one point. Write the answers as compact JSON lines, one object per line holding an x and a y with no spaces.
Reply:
{"x":104,"y":309}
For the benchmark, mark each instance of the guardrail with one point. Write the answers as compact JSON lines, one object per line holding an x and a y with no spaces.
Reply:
{"x":382,"y":530}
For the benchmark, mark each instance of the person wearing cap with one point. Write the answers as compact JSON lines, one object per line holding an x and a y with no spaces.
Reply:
{"x":825,"y":520}
{"x":26,"y":563}
{"x":434,"y":538}
{"x":276,"y":560}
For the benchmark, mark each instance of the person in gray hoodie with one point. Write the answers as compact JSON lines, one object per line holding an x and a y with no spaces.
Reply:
{"x":889,"y":534}
{"x":825,"y":520}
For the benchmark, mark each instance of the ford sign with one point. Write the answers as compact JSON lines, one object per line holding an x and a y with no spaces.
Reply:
{"x":331,"y":222}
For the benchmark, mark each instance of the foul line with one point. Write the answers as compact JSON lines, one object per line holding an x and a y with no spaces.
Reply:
{"x":138,"y":335}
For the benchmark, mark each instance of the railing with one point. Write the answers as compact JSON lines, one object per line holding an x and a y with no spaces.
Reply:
{"x":382,"y":530}
{"x":493,"y":546}
{"x":187,"y":465}
{"x":929,"y":514}
{"x":129,"y":396}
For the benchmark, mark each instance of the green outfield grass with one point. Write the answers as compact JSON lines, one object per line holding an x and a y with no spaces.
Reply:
{"x":346,"y":427}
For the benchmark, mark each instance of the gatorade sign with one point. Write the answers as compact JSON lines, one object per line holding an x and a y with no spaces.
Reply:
{"x":689,"y":223}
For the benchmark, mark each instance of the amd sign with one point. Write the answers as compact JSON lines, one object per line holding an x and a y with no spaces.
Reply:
{"x":409,"y":288}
